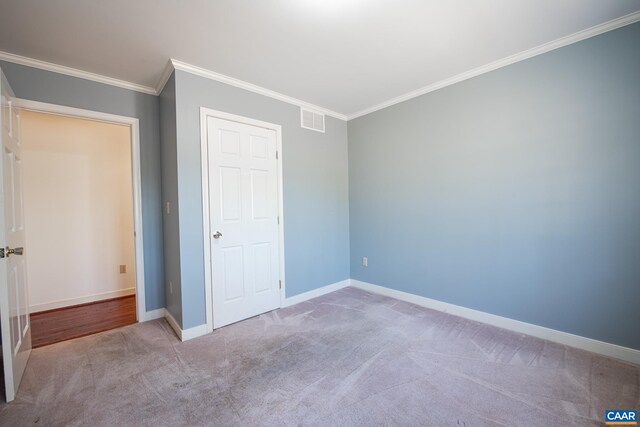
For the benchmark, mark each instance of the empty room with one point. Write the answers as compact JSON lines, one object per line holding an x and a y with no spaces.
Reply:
{"x":320,"y":213}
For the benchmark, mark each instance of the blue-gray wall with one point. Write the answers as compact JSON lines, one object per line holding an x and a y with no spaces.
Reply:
{"x":44,"y":86}
{"x":316,"y":201}
{"x":171,"y":230}
{"x":515,"y":193}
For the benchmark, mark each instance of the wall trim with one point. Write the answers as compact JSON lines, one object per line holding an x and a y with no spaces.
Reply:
{"x":196,"y":331}
{"x":172,"y":322}
{"x":599,"y":347}
{"x":74,"y":72}
{"x":153,"y":315}
{"x":521,"y":56}
{"x":202,"y":72}
{"x":565,"y":338}
{"x":183,"y":66}
{"x":136,"y":179}
{"x":315,"y":293}
{"x":185,"y":334}
{"x":36,"y":308}
{"x":164,"y":77}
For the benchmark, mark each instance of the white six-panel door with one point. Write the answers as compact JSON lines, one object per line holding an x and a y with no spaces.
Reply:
{"x":243,"y":208}
{"x":14,"y":306}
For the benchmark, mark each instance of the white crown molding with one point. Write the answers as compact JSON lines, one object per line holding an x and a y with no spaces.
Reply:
{"x":544,"y":48}
{"x":179,"y":65}
{"x":164,"y":77}
{"x":73,"y":72}
{"x":600,"y":347}
{"x":183,"y":66}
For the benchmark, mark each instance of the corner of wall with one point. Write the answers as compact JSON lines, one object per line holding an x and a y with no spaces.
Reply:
{"x":170,"y":208}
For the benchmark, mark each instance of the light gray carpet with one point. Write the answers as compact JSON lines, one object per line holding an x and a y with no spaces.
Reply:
{"x":347,"y":358}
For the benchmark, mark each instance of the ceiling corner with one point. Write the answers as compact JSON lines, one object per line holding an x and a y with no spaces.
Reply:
{"x":164,"y":77}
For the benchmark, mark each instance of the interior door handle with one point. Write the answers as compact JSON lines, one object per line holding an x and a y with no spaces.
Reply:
{"x":217,"y":235}
{"x":15,"y":251}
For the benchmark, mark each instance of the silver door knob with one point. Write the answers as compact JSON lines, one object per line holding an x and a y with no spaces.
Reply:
{"x":9,"y":251}
{"x":217,"y":235}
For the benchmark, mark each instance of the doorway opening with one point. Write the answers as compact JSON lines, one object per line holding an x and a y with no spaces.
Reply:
{"x":82,"y":213}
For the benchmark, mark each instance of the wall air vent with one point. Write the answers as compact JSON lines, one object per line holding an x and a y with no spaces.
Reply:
{"x":312,"y":120}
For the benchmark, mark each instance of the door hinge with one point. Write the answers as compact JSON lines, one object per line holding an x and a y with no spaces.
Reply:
{"x":280,"y":283}
{"x":278,"y":219}
{"x":276,"y":155}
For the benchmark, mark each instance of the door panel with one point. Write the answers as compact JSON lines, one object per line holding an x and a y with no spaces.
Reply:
{"x":259,"y":194}
{"x":262,"y":266}
{"x":14,"y":311}
{"x":243,"y":207}
{"x":229,"y":142}
{"x":259,"y":147}
{"x":233,"y":278}
{"x":230,"y":194}
{"x":14,"y":301}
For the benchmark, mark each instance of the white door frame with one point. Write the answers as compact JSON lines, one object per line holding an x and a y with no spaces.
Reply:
{"x":136,"y":178}
{"x":204,"y":156}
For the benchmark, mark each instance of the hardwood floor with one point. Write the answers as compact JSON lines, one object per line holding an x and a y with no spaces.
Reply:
{"x":52,"y":326}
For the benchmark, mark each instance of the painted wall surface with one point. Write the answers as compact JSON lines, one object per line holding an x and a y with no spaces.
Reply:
{"x":316,"y":203}
{"x":171,"y":229}
{"x":514,"y":193}
{"x":78,"y":206}
{"x":44,"y":86}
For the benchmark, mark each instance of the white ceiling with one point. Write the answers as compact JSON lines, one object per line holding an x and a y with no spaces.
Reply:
{"x":343,"y":55}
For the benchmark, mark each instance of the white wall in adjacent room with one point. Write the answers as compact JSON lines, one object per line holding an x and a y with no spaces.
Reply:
{"x":78,"y":210}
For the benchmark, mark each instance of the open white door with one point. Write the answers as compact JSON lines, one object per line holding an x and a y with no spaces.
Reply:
{"x":14,"y":307}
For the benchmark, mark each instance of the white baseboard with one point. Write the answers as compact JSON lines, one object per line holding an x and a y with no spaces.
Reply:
{"x":153,"y":315}
{"x":196,"y":331}
{"x":174,"y":325}
{"x":315,"y":293}
{"x":184,"y":334}
{"x":583,"y":343}
{"x":35,"y":308}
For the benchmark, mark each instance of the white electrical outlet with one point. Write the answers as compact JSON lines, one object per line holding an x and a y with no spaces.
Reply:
{"x":170,"y":288}
{"x":365,"y":261}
